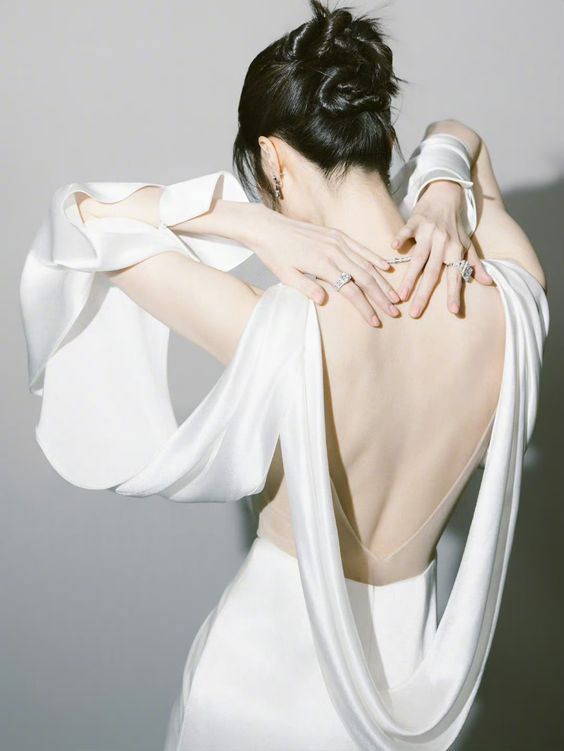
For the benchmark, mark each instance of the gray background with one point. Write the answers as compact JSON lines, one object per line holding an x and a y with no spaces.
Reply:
{"x":101,"y":595}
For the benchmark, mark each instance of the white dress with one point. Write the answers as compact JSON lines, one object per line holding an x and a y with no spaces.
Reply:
{"x":294,"y":657}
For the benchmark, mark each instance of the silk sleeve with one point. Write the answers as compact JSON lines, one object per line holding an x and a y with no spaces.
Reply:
{"x":97,"y":359}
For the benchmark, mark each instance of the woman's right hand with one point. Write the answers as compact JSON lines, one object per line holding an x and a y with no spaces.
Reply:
{"x":291,"y":249}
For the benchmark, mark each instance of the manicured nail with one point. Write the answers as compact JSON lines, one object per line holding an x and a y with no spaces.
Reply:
{"x":454,"y":307}
{"x":393,"y":295}
{"x":393,"y":310}
{"x":375,"y":321}
{"x":415,"y":311}
{"x":404,"y":292}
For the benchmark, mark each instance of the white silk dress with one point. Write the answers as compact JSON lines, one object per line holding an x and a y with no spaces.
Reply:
{"x":295,"y":656}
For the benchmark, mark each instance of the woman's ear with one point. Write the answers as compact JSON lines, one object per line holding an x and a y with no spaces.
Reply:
{"x":269,"y":155}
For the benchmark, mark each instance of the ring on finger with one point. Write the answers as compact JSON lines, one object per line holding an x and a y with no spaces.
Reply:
{"x":464,"y":267}
{"x":343,"y":279}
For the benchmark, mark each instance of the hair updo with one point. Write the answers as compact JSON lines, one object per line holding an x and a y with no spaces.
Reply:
{"x":326,"y":89}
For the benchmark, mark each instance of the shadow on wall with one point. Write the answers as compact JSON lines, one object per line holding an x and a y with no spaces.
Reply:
{"x":519,"y":705}
{"x":522,"y":694}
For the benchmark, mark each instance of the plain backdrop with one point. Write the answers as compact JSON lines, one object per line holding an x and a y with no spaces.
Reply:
{"x":101,"y":595}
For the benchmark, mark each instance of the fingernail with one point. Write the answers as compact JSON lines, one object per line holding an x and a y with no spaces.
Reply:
{"x":404,"y":292}
{"x":454,"y":307}
{"x":318,"y":297}
{"x":375,"y":321}
{"x":395,"y":244}
{"x":415,"y":311}
{"x":393,"y":295}
{"x":393,"y":310}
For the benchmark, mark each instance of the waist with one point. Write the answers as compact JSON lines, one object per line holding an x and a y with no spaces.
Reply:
{"x":359,"y":565}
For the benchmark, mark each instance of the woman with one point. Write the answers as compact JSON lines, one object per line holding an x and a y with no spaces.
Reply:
{"x":327,"y":637}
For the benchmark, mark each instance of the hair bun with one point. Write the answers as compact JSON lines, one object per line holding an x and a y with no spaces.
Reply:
{"x":355,"y":65}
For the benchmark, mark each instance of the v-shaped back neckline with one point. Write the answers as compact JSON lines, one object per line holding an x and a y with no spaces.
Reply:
{"x":456,"y":488}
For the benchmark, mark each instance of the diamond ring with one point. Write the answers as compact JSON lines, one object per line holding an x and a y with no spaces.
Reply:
{"x":343,"y":279}
{"x":464,"y":267}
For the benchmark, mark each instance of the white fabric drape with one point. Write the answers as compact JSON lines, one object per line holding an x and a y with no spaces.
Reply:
{"x":428,"y":711}
{"x":99,"y":362}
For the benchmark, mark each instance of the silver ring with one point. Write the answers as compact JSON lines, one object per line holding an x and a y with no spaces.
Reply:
{"x":342,"y":280}
{"x":464,"y":267}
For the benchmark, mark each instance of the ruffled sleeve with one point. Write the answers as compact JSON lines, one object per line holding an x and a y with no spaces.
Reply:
{"x":99,"y":360}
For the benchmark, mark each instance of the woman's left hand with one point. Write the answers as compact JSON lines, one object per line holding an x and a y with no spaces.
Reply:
{"x":436,"y":225}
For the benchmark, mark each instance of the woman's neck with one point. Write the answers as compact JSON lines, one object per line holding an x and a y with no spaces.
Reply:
{"x":360,"y":206}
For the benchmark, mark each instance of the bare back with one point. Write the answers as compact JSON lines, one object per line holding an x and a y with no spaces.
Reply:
{"x":409,"y":409}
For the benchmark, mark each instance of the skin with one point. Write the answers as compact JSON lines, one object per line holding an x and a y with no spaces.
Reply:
{"x":391,"y":392}
{"x":395,"y":452}
{"x":292,"y":246}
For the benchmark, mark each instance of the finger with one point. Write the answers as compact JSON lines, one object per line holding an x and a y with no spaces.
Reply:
{"x":419,"y":257}
{"x":359,"y":251}
{"x":367,"y":266}
{"x":354,"y":295}
{"x":480,"y":273}
{"x":430,"y":276}
{"x":407,"y":231}
{"x":369,"y":286}
{"x":330,"y":271}
{"x":306,"y":286}
{"x":454,"y":288}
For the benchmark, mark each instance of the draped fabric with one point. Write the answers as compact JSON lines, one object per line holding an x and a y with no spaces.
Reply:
{"x":99,"y":362}
{"x":98,"y":359}
{"x":429,"y":709}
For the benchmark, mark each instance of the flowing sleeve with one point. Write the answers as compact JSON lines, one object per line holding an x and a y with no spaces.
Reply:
{"x":427,"y":711}
{"x":438,"y":157}
{"x":99,"y":361}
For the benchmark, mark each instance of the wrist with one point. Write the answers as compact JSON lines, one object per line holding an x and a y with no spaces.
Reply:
{"x":253,"y":217}
{"x":446,"y":189}
{"x":239,"y":221}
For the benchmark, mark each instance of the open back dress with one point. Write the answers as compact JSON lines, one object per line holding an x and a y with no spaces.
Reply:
{"x":295,"y":656}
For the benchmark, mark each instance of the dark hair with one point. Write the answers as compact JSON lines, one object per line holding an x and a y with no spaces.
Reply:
{"x":326,"y":89}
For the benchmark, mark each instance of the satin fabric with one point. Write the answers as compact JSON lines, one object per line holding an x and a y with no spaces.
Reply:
{"x":106,"y":421}
{"x":429,"y":709}
{"x":252,"y":681}
{"x":426,"y":706}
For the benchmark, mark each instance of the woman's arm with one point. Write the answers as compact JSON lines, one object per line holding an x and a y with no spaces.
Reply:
{"x":457,"y":129}
{"x":443,"y":216}
{"x":497,"y":234}
{"x":326,"y":250}
{"x":207,"y":306}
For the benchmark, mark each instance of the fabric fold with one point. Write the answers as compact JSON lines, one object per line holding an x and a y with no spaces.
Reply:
{"x":98,"y":359}
{"x":106,"y":421}
{"x":428,"y":711}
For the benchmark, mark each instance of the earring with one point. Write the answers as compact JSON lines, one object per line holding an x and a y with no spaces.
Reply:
{"x":277,"y":186}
